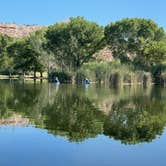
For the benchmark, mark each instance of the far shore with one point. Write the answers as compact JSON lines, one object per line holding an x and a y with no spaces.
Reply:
{"x":17,"y":77}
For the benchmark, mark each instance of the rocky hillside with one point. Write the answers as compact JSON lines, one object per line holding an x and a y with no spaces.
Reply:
{"x":14,"y":120}
{"x":104,"y":55}
{"x":18,"y":31}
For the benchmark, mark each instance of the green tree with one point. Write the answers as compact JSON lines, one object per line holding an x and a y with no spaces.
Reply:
{"x":21,"y":54}
{"x":152,"y":53}
{"x":128,"y":39}
{"x":26,"y":55}
{"x":35,"y":44}
{"x":4,"y":42}
{"x":74,"y":42}
{"x":46,"y":58}
{"x":7,"y":64}
{"x":6,"y":61}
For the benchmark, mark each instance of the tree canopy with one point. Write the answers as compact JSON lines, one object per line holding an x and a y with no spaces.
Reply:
{"x":6,"y":62}
{"x":136,"y":39}
{"x":74,"y":42}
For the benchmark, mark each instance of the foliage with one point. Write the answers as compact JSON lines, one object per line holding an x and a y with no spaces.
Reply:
{"x":71,"y":46}
{"x":113,"y":73}
{"x":74,"y":42}
{"x":129,"y":115}
{"x":39,"y":44}
{"x":6,"y":62}
{"x":62,"y":76}
{"x":4,"y":42}
{"x":137,"y":120}
{"x":136,"y":39}
{"x":26,"y":55}
{"x":159,"y":73}
{"x":153,"y":53}
{"x":74,"y":117}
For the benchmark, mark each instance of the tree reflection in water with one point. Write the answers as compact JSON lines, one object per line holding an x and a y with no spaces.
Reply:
{"x":134,"y":121}
{"x":77,"y":113}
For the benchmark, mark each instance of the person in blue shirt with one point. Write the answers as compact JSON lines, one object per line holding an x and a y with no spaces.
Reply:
{"x":86,"y":81}
{"x":57,"y":80}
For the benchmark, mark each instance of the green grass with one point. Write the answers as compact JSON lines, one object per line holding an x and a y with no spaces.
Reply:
{"x":113,"y":72}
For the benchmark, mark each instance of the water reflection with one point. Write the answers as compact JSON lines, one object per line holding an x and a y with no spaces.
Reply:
{"x":135,"y":120}
{"x":129,"y":114}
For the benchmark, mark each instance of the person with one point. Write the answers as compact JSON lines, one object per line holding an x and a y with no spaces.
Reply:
{"x":86,"y":81}
{"x":57,"y":80}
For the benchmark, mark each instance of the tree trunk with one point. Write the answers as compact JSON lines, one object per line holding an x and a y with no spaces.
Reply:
{"x":48,"y":73}
{"x":41,"y":74}
{"x":10,"y":75}
{"x":34,"y":74}
{"x":24,"y":74}
{"x":41,"y":77}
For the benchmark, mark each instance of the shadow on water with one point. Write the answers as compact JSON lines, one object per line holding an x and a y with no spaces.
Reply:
{"x":129,"y":114}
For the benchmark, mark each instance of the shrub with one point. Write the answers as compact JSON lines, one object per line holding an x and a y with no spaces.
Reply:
{"x":113,"y":73}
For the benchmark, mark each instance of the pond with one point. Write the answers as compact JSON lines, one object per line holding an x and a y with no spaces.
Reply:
{"x":69,"y":125}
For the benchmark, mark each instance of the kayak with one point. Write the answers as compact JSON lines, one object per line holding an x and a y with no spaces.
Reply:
{"x":57,"y":83}
{"x":85,"y":83}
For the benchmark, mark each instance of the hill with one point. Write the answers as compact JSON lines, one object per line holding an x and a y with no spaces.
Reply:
{"x":18,"y":31}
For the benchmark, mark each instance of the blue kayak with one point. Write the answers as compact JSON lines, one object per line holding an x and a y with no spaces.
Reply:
{"x":85,"y":82}
{"x":57,"y":82}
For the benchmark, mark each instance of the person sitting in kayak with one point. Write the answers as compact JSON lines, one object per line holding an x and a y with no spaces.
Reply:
{"x":57,"y":80}
{"x":86,"y":81}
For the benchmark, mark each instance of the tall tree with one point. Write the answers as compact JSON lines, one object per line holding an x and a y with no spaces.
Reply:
{"x":46,"y":57}
{"x":6,"y":61}
{"x":25,"y":57}
{"x":128,"y":39}
{"x":74,"y":42}
{"x":4,"y":42}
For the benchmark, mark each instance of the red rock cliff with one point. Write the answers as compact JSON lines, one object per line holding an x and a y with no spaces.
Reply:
{"x":18,"y":31}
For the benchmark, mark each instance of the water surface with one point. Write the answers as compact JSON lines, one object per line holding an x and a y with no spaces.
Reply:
{"x":69,"y":125}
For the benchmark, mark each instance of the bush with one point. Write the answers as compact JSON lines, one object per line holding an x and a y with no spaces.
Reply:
{"x":159,"y":74}
{"x":113,"y":73}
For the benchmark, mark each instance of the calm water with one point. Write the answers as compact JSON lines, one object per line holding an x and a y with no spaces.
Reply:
{"x":65,"y":125}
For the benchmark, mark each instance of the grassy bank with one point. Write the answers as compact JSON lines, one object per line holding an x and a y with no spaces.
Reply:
{"x":113,"y":73}
{"x":25,"y":77}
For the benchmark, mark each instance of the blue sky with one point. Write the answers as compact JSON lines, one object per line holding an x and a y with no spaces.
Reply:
{"x":46,"y":12}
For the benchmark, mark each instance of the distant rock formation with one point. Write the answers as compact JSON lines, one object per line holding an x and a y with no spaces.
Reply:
{"x":18,"y":31}
{"x":104,"y":55}
{"x":14,"y":120}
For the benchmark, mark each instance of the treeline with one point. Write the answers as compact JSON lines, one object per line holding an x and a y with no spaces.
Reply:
{"x":67,"y":47}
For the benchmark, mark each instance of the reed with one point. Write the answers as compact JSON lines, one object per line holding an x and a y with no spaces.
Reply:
{"x":113,"y":73}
